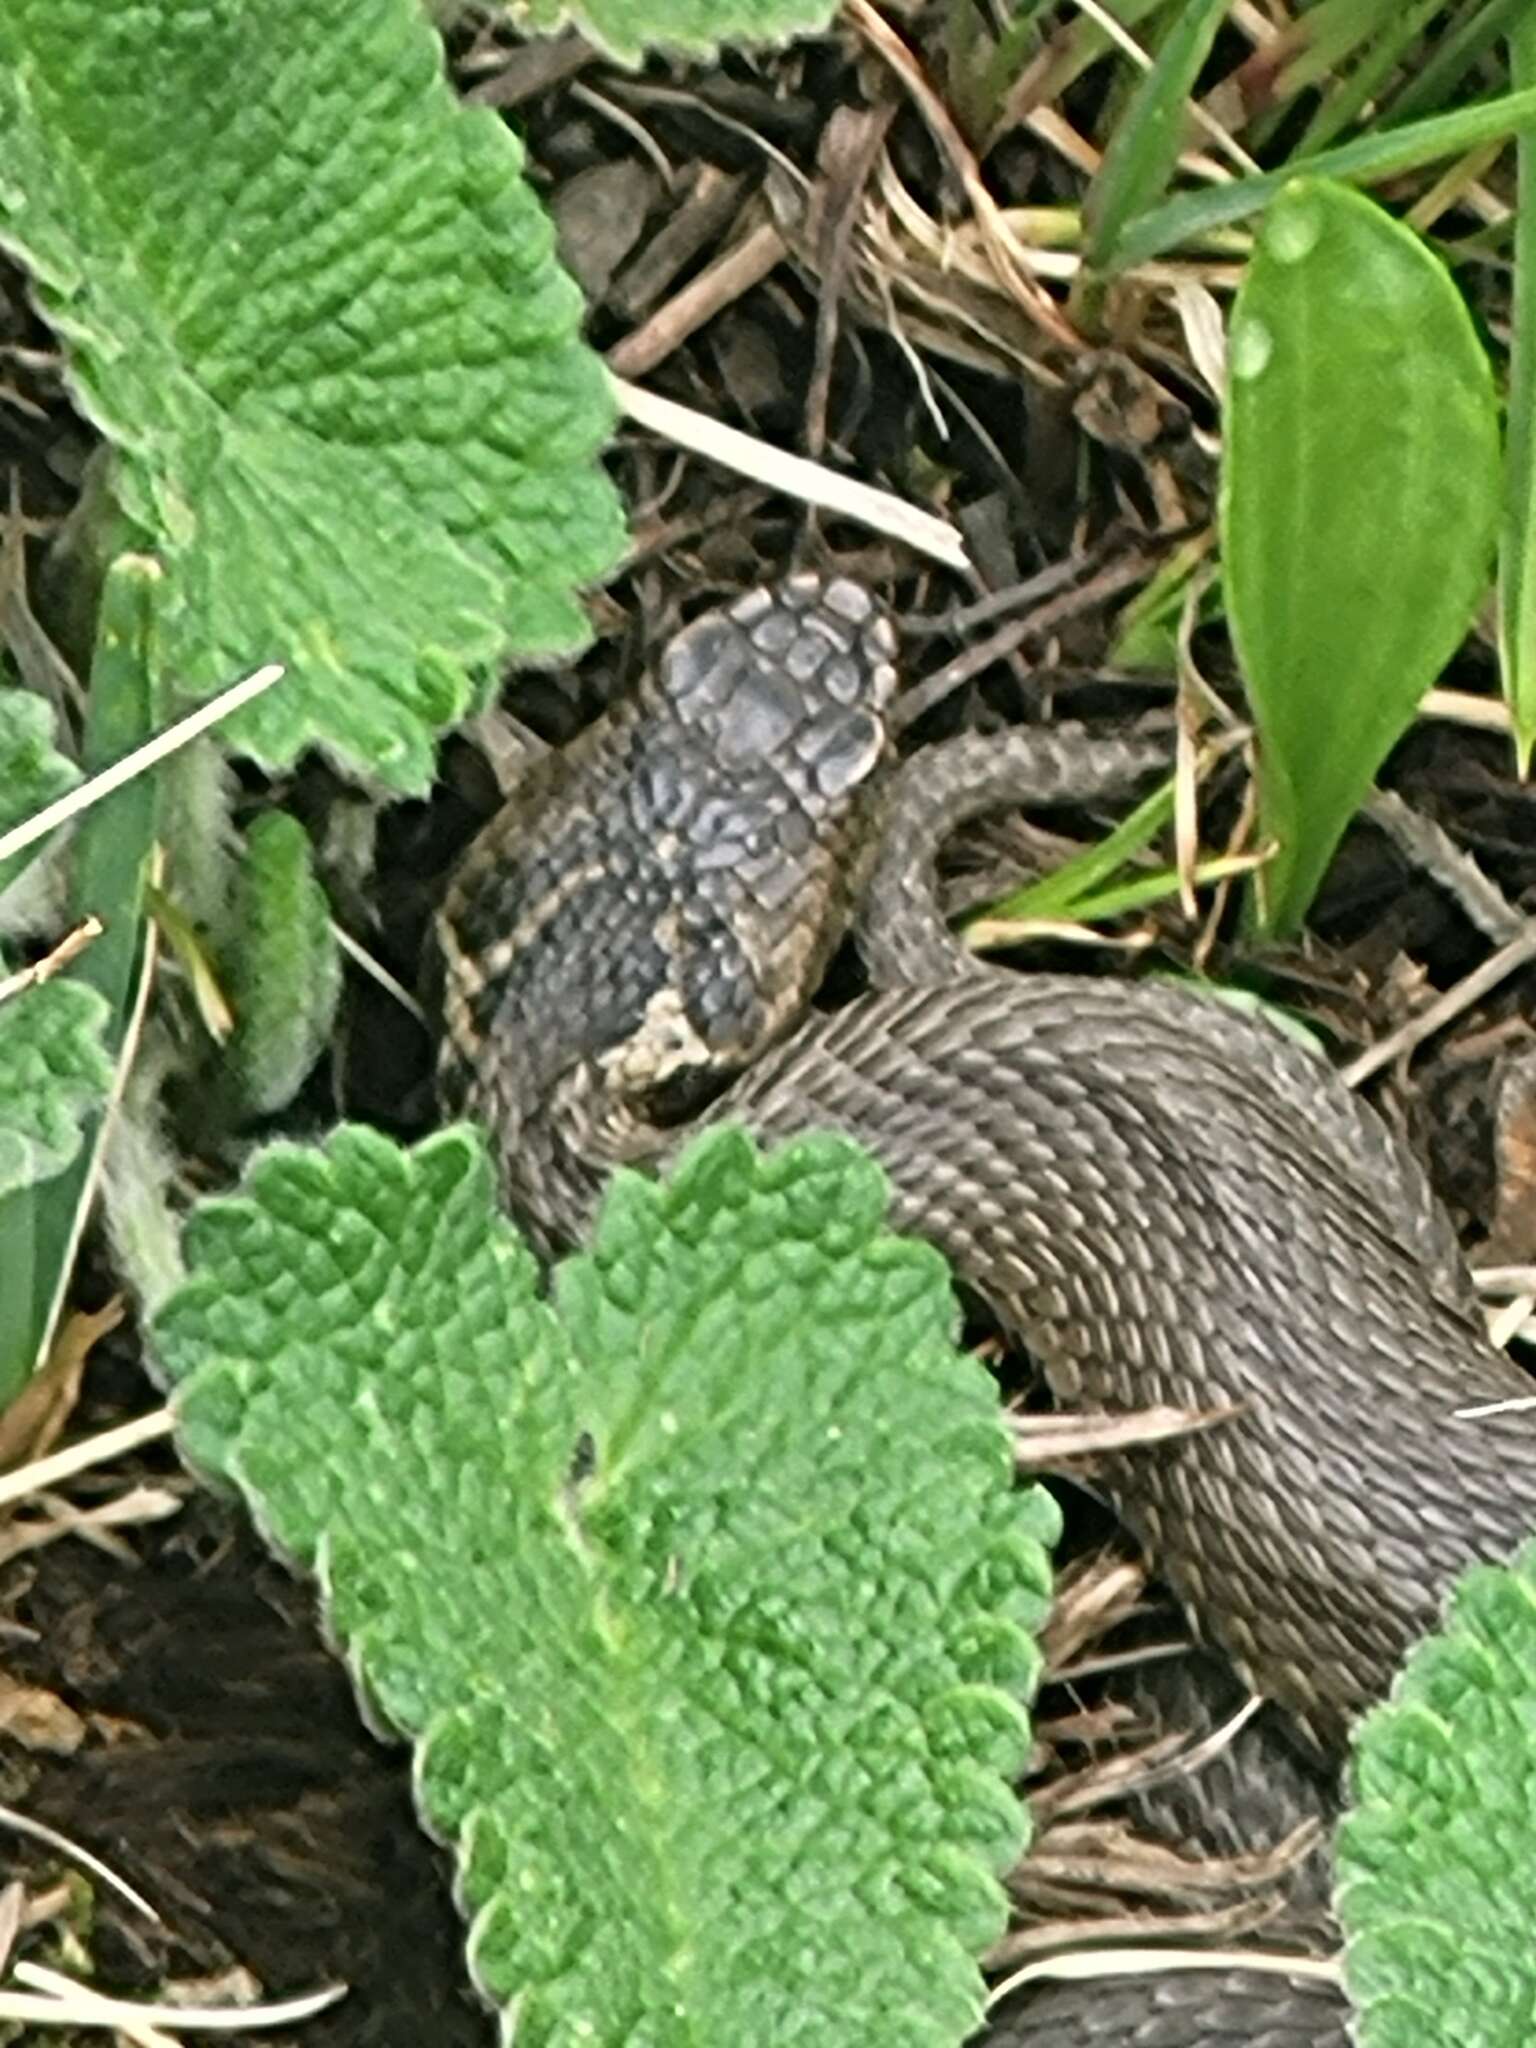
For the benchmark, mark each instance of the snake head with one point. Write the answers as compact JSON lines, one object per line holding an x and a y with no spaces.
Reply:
{"x":660,"y":902}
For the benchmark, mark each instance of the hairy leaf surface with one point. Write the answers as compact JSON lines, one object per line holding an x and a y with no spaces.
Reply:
{"x":284,"y":978}
{"x":626,"y":29}
{"x":32,"y":770}
{"x":1437,"y":1858}
{"x":317,"y":309}
{"x":53,"y":1072}
{"x":704,"y":1591}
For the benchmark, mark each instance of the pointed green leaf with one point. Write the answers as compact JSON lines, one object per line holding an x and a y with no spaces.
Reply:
{"x":1359,"y":498}
{"x":705,"y":1591}
{"x":317,"y":309}
{"x":1063,"y":891}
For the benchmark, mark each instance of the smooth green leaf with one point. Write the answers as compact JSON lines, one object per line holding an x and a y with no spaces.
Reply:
{"x":283,"y":974}
{"x":53,"y":1073}
{"x":704,"y":1590}
{"x":1144,"y":149}
{"x":1517,"y":544}
{"x":317,"y":309}
{"x":1436,"y":1862}
{"x":1369,"y":157}
{"x":1360,"y":492}
{"x":32,"y":771}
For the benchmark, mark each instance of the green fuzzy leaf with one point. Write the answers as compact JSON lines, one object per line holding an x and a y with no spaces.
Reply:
{"x":53,"y":1073}
{"x":1360,"y":494}
{"x":317,"y":309}
{"x":32,"y":772}
{"x":626,"y":29}
{"x":1436,"y":1861}
{"x":283,"y":976}
{"x":705,"y":1591}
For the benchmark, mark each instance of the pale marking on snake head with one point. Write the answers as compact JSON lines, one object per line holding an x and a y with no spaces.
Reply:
{"x":665,"y":1042}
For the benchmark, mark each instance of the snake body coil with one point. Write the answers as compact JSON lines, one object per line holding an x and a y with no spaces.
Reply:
{"x":1165,"y":1201}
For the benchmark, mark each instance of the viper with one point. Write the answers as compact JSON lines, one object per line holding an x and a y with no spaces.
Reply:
{"x":1163,"y":1201}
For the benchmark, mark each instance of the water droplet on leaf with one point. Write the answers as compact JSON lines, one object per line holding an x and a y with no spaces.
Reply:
{"x":1250,"y":349}
{"x":1293,"y":229}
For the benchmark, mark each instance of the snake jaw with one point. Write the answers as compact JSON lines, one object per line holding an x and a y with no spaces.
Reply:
{"x":664,"y":1047}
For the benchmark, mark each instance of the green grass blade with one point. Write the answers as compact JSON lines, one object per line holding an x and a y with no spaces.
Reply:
{"x":1517,"y":543}
{"x":1098,"y":906}
{"x":18,"y":1262}
{"x":1147,"y":630}
{"x":1359,"y":502}
{"x":1454,"y":51}
{"x":1346,"y":97}
{"x":1144,"y":149}
{"x":1358,"y":162}
{"x":1324,"y":40}
{"x":109,"y":864}
{"x":1059,"y":893}
{"x":1081,"y":46}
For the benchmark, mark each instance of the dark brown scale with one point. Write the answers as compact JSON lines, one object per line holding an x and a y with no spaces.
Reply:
{"x":1166,"y":1201}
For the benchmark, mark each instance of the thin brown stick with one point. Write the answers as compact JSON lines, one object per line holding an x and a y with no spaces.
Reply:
{"x":1470,"y":989}
{"x":735,"y":272}
{"x":1109,"y":582}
